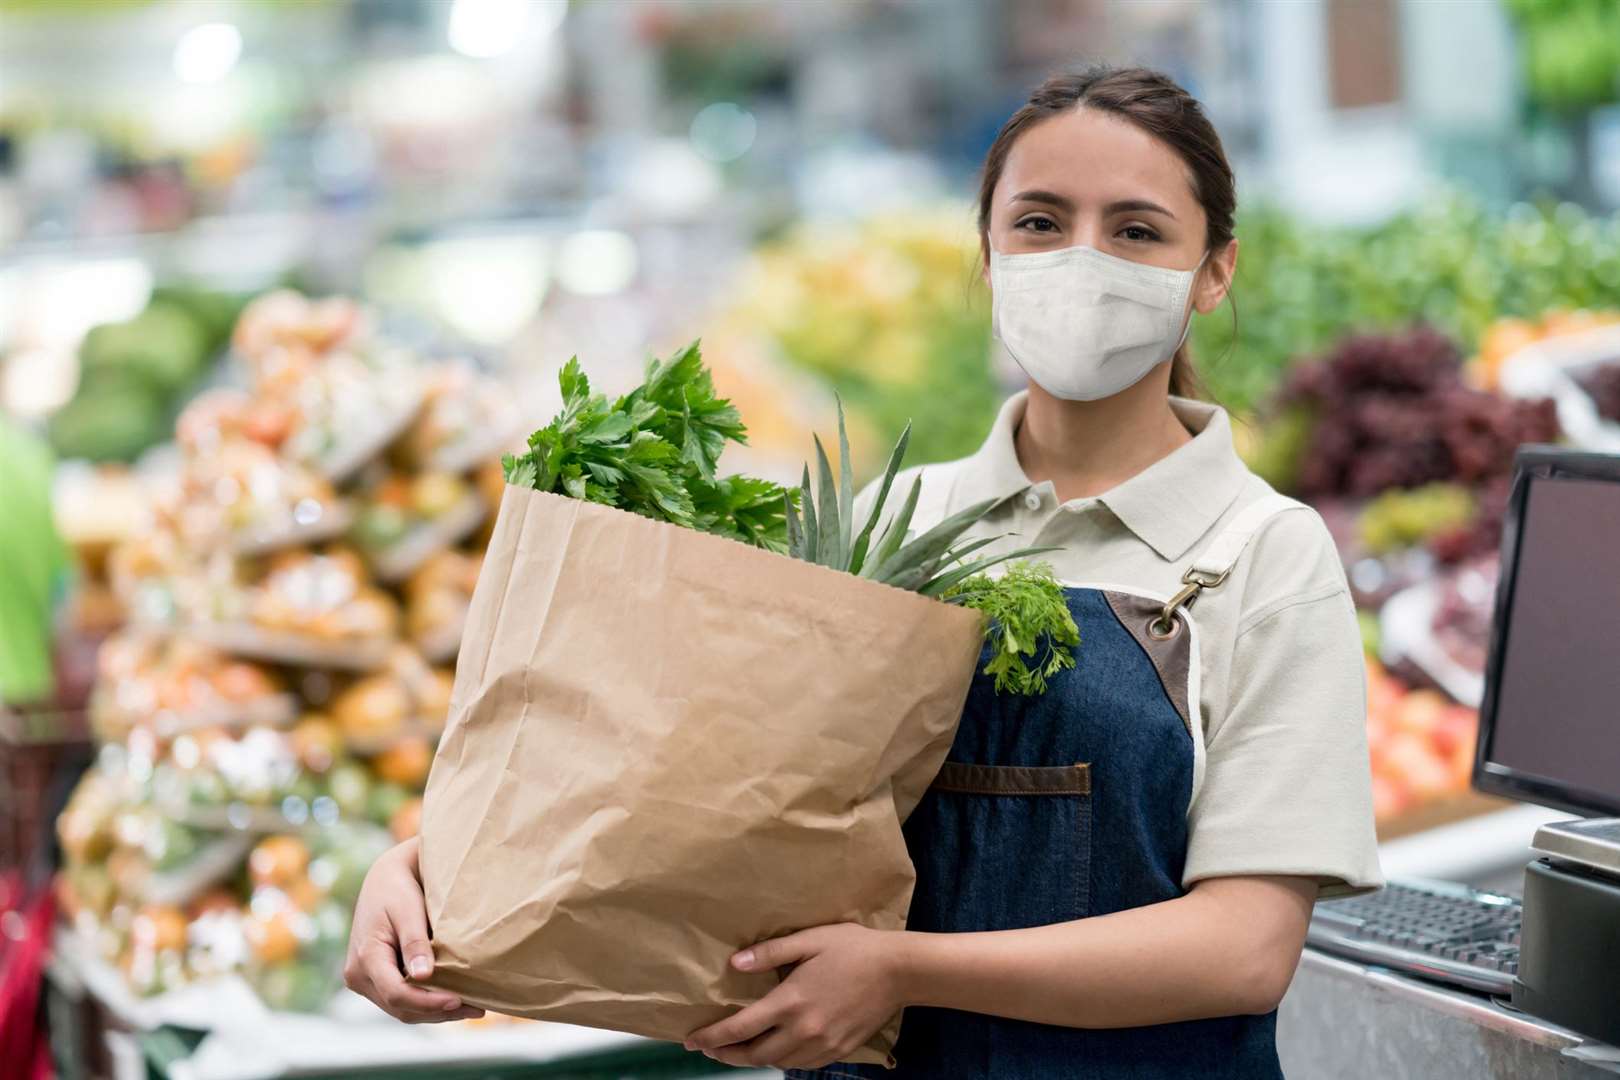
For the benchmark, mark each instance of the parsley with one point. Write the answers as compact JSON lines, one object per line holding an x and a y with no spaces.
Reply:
{"x":653,"y":452}
{"x":1027,"y":615}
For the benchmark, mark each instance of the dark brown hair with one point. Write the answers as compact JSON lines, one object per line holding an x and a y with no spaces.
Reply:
{"x":1154,"y":103}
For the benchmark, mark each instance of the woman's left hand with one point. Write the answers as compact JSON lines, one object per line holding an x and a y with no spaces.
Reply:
{"x":843,"y":987}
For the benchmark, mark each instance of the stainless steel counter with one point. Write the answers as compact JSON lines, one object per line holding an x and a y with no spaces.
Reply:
{"x":1345,"y":1021}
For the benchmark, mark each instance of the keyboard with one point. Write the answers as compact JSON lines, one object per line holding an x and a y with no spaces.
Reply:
{"x":1433,"y":929}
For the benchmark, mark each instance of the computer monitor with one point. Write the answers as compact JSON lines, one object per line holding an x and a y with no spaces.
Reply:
{"x":1550,"y":720}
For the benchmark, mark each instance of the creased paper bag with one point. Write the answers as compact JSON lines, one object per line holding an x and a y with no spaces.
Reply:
{"x":664,"y":746}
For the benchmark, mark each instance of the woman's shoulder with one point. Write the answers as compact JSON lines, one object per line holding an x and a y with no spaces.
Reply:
{"x":1292,"y":558}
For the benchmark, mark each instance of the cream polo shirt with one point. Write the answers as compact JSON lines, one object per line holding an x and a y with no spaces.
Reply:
{"x":1285,"y":785}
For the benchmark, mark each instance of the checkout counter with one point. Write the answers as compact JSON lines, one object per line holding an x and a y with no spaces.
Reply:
{"x":1343,"y":1020}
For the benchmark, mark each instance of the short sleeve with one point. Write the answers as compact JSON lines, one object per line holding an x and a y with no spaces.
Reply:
{"x":1287,"y":785}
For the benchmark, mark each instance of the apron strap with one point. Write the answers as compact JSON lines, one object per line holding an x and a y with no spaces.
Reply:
{"x":1222,"y":554}
{"x":1211,"y":566}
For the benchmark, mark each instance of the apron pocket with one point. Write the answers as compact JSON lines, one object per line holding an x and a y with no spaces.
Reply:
{"x":1002,"y":847}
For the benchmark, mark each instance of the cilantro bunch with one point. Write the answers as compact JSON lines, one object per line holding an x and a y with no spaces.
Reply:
{"x":654,"y":452}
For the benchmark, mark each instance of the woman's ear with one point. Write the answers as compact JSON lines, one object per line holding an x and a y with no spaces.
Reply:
{"x":1216,"y":280}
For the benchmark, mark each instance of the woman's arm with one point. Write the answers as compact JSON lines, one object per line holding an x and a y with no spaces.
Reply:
{"x":1228,"y":947}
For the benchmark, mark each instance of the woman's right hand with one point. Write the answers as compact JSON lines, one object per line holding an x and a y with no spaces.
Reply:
{"x":389,"y":937}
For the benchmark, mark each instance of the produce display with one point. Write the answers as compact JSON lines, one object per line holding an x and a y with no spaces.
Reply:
{"x":269,"y":715}
{"x":240,"y":490}
{"x":1451,"y":261}
{"x":1462,"y":618}
{"x":436,"y":599}
{"x":172,"y":685}
{"x":1401,"y":518}
{"x":1505,"y":337}
{"x":466,"y":421}
{"x":1422,"y":745}
{"x":404,"y":518}
{"x":1602,"y":383}
{"x":892,"y":313}
{"x":1393,"y":411}
{"x":133,"y":373}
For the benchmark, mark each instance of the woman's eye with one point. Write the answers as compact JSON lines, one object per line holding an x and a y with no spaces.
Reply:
{"x":1138,"y":232}
{"x":1038,"y":224}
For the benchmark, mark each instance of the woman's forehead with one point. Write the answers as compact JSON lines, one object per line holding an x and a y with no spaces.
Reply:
{"x":1091,"y":156}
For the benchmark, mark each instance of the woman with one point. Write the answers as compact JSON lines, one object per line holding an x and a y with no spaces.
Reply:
{"x":1114,"y":879}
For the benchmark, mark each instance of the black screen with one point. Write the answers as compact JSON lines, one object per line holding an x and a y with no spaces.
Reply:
{"x":1557,"y":708}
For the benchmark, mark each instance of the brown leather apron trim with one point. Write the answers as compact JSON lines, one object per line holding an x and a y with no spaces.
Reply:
{"x":1014,"y":779}
{"x":1170,"y":657}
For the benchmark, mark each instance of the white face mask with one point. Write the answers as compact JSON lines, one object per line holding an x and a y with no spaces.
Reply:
{"x":1085,"y":325}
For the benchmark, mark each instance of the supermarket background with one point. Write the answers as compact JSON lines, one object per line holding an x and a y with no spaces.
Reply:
{"x":239,"y":528}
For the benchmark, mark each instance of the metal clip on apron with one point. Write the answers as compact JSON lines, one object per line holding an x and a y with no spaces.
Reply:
{"x":1069,"y":805}
{"x":1214,"y":565}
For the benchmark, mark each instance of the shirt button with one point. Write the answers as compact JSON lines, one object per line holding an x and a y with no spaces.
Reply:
{"x":1033,"y":501}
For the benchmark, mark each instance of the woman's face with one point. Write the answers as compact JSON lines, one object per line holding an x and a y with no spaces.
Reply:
{"x":1088,"y":178}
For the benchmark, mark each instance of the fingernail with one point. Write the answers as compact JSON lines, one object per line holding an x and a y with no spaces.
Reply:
{"x":687,"y":1045}
{"x":452,"y":1006}
{"x":744,"y":959}
{"x":420,"y":967}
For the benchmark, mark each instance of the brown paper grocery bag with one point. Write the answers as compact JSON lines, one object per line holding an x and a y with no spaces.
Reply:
{"x":664,"y":746}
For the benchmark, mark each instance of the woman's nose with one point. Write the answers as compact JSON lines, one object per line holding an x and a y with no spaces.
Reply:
{"x":1087,"y":232}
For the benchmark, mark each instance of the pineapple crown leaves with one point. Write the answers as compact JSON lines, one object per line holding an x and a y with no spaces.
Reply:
{"x":1026,"y":614}
{"x":820,"y":530}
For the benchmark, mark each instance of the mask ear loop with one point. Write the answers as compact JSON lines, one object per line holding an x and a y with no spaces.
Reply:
{"x":1186,"y":325}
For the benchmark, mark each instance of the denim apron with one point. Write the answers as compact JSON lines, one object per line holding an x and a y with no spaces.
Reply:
{"x":1068,"y":805}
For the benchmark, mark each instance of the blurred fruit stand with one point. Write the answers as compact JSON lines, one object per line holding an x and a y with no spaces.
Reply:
{"x":266,"y":716}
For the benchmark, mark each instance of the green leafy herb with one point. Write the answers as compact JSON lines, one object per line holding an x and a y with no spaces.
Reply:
{"x":653,"y":452}
{"x":1029,"y":619}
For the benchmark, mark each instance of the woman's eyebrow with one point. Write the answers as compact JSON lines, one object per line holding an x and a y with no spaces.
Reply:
{"x":1051,"y":198}
{"x":1126,"y":206}
{"x":1063,"y":202}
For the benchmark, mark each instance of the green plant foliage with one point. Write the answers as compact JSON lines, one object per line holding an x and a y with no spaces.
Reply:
{"x":1029,"y":620}
{"x":653,"y":452}
{"x":892,"y":314}
{"x":1450,"y":262}
{"x":1570,"y":51}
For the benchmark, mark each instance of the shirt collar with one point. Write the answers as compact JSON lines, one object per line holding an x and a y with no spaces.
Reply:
{"x":1169,"y":505}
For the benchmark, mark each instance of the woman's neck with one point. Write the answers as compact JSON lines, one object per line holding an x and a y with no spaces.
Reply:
{"x":1088,"y":447}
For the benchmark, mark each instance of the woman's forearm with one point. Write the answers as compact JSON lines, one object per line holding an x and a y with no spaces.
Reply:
{"x":1228,"y":947}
